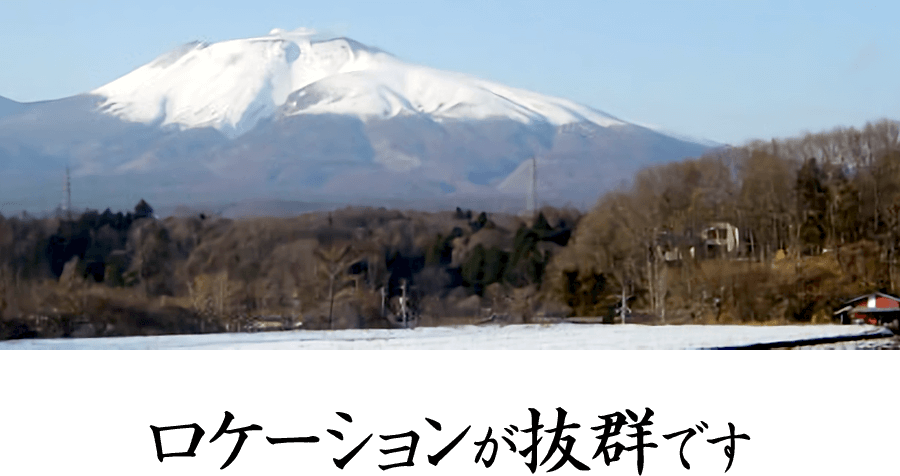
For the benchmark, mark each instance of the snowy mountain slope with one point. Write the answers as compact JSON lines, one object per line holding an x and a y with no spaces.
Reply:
{"x":680,"y":136}
{"x":231,"y":85}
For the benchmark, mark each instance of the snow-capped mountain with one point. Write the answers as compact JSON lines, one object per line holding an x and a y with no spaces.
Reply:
{"x":288,"y":117}
{"x":231,"y":85}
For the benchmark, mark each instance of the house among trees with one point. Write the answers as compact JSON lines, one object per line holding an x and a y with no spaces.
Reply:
{"x":876,"y":308}
{"x":720,"y":238}
{"x":673,"y":248}
{"x":717,"y":240}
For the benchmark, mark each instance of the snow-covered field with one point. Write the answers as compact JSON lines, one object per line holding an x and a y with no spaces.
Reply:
{"x":522,"y":337}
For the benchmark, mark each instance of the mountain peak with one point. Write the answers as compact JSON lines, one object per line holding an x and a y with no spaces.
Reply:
{"x":231,"y":85}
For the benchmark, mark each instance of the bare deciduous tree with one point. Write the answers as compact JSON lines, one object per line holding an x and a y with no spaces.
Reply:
{"x":333,"y":262}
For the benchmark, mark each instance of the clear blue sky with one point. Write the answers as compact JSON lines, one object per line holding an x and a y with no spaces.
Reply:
{"x":725,"y":70}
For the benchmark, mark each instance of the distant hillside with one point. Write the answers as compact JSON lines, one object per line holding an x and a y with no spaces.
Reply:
{"x":8,"y":106}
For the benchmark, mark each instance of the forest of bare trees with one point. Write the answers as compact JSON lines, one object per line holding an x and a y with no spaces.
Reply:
{"x":818,"y":216}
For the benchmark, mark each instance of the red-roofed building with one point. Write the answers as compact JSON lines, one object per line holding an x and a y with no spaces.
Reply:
{"x":875,"y":308}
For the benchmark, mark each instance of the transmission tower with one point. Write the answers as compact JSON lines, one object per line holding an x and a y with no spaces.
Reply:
{"x":531,"y":189}
{"x":67,"y":191}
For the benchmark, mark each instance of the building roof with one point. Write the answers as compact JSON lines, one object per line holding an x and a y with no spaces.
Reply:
{"x":870,"y":310}
{"x":846,"y":308}
{"x":866,"y":296}
{"x":849,"y":306}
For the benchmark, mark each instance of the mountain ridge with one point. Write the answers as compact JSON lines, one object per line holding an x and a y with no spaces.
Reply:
{"x":8,"y":106}
{"x":236,"y":83}
{"x":330,"y":121}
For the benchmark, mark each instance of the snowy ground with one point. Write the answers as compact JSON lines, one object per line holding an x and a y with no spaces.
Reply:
{"x":524,"y":337}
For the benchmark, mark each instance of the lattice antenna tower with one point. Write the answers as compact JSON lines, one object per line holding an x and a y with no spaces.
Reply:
{"x":67,"y":191}
{"x":531,"y":189}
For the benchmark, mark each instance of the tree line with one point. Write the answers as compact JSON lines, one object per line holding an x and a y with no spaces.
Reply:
{"x":827,"y":203}
{"x":111,"y":273}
